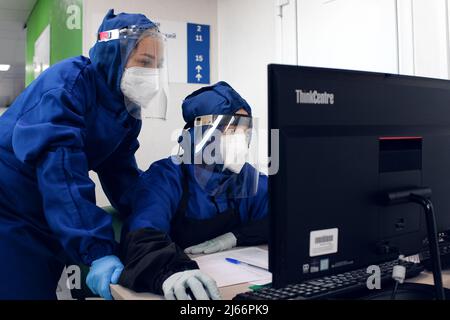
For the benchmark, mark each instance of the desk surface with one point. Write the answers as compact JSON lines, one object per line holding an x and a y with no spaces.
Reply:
{"x":228,"y":293}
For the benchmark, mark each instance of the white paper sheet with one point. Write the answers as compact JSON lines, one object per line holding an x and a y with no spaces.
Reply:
{"x":252,"y":255}
{"x":227,"y":274}
{"x":262,"y":282}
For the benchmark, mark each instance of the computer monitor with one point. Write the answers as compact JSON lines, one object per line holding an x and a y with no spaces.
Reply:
{"x":345,"y":138}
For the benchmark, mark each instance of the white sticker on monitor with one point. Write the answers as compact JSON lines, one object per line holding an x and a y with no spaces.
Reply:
{"x":323,"y":242}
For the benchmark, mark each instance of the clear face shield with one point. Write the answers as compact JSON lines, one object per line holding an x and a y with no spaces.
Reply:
{"x":144,"y":81}
{"x":226,"y":155}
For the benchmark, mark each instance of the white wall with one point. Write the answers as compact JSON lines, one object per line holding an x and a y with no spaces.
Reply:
{"x":12,"y":52}
{"x":286,"y":31}
{"x":247,"y":44}
{"x":396,"y":36}
{"x":423,"y":38}
{"x":348,"y":34}
{"x":430,"y":30}
{"x":155,"y":136}
{"x":12,"y":83}
{"x":406,"y":37}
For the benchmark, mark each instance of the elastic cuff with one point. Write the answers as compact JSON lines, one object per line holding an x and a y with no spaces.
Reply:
{"x":239,"y":238}
{"x":97,"y":251}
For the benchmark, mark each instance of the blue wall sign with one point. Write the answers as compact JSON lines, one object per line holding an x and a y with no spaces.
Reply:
{"x":199,"y":43}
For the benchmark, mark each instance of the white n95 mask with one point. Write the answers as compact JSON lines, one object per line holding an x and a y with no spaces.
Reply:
{"x":234,"y":149}
{"x":140,"y":85}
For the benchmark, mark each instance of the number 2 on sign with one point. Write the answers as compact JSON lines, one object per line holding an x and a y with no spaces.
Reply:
{"x":199,"y":28}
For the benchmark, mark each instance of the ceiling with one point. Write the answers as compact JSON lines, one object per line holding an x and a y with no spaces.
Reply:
{"x":15,"y":10}
{"x":13,"y":16}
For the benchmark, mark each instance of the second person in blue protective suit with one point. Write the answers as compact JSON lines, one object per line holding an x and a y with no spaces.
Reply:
{"x":72,"y":119}
{"x":196,"y":208}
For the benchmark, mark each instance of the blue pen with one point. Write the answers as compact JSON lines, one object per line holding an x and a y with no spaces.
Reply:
{"x":235,"y":261}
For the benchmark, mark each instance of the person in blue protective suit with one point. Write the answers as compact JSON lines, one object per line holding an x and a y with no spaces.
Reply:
{"x":204,"y":207}
{"x":79,"y":115}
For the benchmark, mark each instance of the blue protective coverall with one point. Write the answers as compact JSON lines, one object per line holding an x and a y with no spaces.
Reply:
{"x":70,"y":120}
{"x":155,"y":236}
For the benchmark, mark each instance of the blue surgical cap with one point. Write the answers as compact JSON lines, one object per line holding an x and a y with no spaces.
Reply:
{"x":220,"y":98}
{"x":106,"y":56}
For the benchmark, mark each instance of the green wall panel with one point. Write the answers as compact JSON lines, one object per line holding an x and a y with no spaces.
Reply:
{"x":37,"y":22}
{"x":66,"y":42}
{"x":65,"y":20}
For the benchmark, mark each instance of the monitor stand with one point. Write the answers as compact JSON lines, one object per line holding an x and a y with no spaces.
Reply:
{"x":422,"y":196}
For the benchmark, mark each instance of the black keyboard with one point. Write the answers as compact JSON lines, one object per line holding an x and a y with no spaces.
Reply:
{"x":329,"y":287}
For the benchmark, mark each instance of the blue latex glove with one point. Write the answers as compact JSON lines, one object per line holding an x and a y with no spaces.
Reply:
{"x":103,"y":272}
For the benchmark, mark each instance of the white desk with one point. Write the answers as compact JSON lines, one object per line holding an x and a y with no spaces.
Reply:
{"x":427,"y":278}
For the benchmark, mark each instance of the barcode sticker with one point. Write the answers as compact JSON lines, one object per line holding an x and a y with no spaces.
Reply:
{"x":324,"y":239}
{"x":322,"y":242}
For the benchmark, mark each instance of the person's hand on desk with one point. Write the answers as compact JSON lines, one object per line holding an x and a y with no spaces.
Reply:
{"x":103,"y":272}
{"x":222,"y":243}
{"x":200,"y":285}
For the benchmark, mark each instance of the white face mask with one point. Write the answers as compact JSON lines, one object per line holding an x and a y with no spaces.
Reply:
{"x":234,"y":149}
{"x":140,"y":85}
